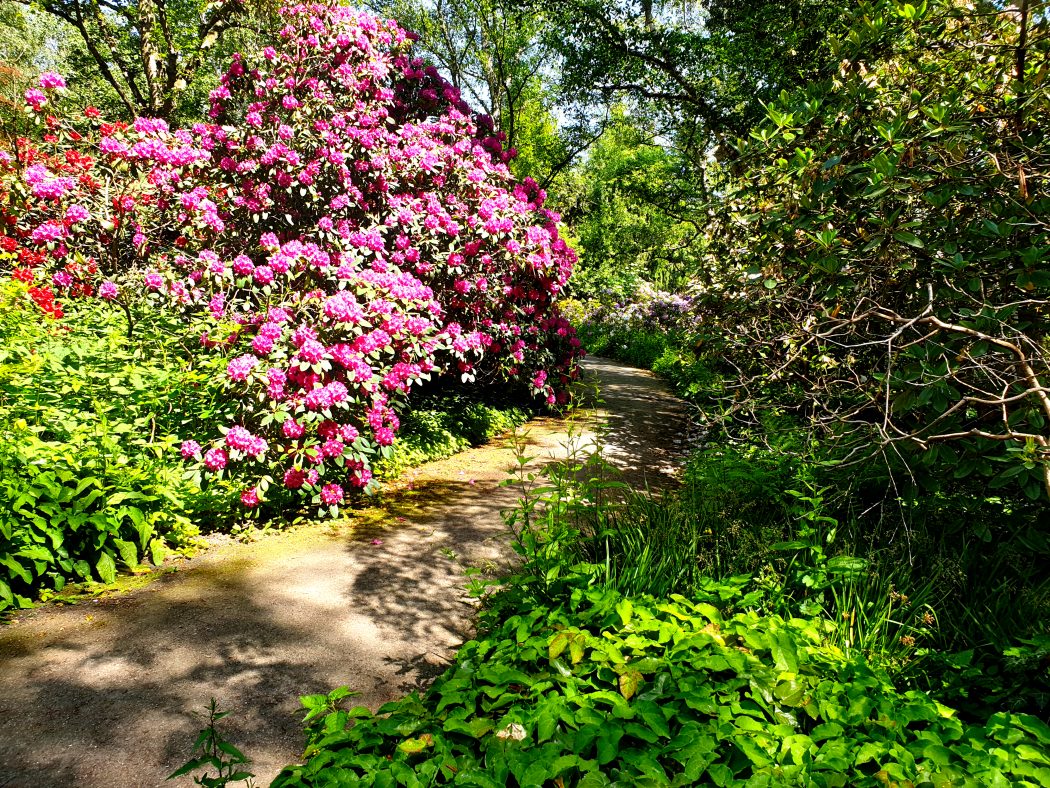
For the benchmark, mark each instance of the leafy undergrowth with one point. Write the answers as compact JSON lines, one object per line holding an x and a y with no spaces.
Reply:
{"x":598,"y":688}
{"x":447,"y":425}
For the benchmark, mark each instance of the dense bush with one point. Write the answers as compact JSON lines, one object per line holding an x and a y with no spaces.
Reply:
{"x":883,"y":239}
{"x":89,"y":480}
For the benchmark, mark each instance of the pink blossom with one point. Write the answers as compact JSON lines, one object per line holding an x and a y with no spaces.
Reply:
{"x":76,"y":213}
{"x":49,"y":80}
{"x":331,"y":494}
{"x":239,"y":368}
{"x":35,"y":99}
{"x":215,"y":460}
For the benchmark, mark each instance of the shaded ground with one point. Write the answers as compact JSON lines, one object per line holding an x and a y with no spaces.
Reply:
{"x":101,"y":694}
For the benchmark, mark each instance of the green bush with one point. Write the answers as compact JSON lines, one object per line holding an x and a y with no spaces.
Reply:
{"x":90,"y":475}
{"x":603,"y":689}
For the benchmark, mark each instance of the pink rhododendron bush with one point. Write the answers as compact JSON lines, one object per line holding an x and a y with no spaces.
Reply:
{"x":342,"y":231}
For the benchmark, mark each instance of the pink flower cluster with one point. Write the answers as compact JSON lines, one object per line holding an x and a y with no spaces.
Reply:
{"x":415,"y":253}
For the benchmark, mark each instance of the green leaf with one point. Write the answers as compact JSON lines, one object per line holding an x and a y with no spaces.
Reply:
{"x":577,"y":644}
{"x":107,"y":568}
{"x":128,"y":554}
{"x":557,"y":645}
{"x":416,"y":745}
{"x":909,"y":239}
{"x":625,"y":609}
{"x":629,"y":682}
{"x":782,"y":647}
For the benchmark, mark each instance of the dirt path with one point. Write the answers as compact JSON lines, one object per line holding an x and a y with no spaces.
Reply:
{"x":101,"y":694}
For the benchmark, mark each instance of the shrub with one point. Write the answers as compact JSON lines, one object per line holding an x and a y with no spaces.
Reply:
{"x":602,"y":689}
{"x":88,"y":476}
{"x":342,"y":232}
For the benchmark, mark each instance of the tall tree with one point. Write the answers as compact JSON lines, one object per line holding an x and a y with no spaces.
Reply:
{"x":707,"y":65}
{"x":150,"y":51}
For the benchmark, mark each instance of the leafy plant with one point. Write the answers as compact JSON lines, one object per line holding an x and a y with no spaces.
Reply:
{"x":599,"y":689}
{"x":213,"y":751}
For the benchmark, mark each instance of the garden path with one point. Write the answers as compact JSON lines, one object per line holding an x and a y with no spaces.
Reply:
{"x":100,"y":694}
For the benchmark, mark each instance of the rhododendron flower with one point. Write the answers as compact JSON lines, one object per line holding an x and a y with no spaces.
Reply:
{"x":262,"y":344}
{"x":331,"y":494}
{"x":384,"y":436}
{"x":215,"y":460}
{"x":240,"y":367}
{"x":250,"y":498}
{"x":242,"y":265}
{"x":293,"y":429}
{"x":48,"y":232}
{"x":76,"y":213}
{"x":35,"y":99}
{"x":311,"y":351}
{"x":49,"y":80}
{"x":294,"y":478}
{"x":190,"y":449}
{"x":153,"y":281}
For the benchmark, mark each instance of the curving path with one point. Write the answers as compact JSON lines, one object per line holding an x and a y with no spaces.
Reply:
{"x":102,"y":694}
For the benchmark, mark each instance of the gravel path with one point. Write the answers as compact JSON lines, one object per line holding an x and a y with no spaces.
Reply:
{"x":102,"y":694}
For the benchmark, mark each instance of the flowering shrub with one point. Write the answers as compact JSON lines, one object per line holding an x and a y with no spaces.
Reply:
{"x":648,"y":309}
{"x":342,"y":231}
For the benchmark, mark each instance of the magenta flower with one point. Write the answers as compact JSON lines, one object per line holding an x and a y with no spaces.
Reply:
{"x":250,"y":498}
{"x":49,"y":80}
{"x":294,"y":478}
{"x":331,"y":494}
{"x":108,"y":290}
{"x":239,"y":368}
{"x":215,"y":460}
{"x":311,"y":351}
{"x":190,"y":449}
{"x":35,"y":99}
{"x":76,"y":213}
{"x":292,"y":429}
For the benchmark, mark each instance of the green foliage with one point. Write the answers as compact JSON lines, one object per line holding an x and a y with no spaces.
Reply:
{"x":886,"y":239}
{"x":629,"y":218}
{"x":90,"y":478}
{"x":213,"y":751}
{"x":445,"y":424}
{"x":604,"y":689}
{"x":156,"y":59}
{"x":704,"y":68}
